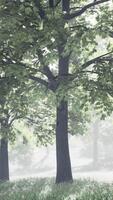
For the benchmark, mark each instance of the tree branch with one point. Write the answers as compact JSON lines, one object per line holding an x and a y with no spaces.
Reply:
{"x":99,"y":58}
{"x":83,"y":9}
{"x":102,"y":88}
{"x":45,"y":69}
{"x":57,"y":3}
{"x":32,"y":120}
{"x":13,"y":119}
{"x":39,"y":80}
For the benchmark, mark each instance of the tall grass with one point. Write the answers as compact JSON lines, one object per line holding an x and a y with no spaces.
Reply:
{"x":45,"y":189}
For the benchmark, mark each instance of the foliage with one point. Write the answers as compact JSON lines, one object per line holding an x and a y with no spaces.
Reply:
{"x":23,"y":39}
{"x":29,"y":49}
{"x":79,"y":112}
{"x":42,"y":110}
{"x":13,"y":105}
{"x":41,"y":116}
{"x":44,"y":189}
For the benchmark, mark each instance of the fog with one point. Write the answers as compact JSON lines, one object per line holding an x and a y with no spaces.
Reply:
{"x":91,"y":155}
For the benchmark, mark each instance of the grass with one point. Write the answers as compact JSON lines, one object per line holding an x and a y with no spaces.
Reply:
{"x":45,"y":189}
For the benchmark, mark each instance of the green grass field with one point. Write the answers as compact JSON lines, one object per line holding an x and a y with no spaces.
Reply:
{"x":45,"y":189}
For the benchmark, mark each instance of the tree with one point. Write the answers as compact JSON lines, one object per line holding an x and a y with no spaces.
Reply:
{"x":67,"y":40}
{"x":12,"y":107}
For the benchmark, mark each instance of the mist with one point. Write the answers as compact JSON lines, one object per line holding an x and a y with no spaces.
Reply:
{"x":91,"y":155}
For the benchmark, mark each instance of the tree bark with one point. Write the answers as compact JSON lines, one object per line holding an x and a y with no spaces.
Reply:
{"x":65,"y":5}
{"x":4,"y":162}
{"x":64,"y":173}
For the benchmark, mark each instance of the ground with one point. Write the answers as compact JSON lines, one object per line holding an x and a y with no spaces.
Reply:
{"x":45,"y":189}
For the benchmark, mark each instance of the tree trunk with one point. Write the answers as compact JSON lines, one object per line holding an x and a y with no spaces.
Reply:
{"x":4,"y":163}
{"x":64,"y":173}
{"x":95,"y":143}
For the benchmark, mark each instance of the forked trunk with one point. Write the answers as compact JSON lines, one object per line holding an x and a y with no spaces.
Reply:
{"x":4,"y":163}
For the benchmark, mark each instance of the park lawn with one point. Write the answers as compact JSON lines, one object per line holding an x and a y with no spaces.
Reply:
{"x":45,"y":189}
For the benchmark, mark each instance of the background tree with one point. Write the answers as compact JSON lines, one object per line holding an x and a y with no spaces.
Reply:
{"x":12,"y":107}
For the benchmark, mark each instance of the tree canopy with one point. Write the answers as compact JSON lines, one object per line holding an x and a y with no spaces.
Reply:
{"x":29,"y":45}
